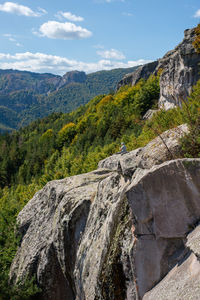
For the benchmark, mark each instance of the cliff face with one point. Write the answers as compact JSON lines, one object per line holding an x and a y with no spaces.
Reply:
{"x":118,"y":232}
{"x":180,"y":71}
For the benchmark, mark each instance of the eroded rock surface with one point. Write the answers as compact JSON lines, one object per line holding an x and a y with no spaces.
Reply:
{"x":157,"y":151}
{"x":117,"y":232}
{"x":142,"y":72}
{"x":183,"y":281}
{"x":179,"y":72}
{"x":165,"y":204}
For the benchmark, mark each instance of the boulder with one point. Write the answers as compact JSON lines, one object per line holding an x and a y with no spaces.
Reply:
{"x":116,"y":232}
{"x":183,"y":281}
{"x":51,"y":227}
{"x":165,"y":205}
{"x":155,"y":152}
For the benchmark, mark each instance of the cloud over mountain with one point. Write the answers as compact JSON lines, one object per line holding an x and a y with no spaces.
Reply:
{"x":40,"y":62}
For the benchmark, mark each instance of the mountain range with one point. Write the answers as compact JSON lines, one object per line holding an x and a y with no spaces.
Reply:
{"x":26,"y":96}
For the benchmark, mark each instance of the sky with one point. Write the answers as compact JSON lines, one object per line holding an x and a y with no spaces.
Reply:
{"x":90,"y":35}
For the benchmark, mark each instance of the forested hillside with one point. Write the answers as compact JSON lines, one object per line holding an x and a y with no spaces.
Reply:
{"x":62,"y":145}
{"x":26,"y":96}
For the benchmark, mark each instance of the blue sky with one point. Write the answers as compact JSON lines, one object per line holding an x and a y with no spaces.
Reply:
{"x":90,"y":35}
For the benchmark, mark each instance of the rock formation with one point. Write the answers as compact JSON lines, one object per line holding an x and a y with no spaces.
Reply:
{"x":72,"y":77}
{"x":116,"y":233}
{"x":180,"y":71}
{"x":142,"y":72}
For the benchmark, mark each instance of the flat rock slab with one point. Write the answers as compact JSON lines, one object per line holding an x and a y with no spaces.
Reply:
{"x":165,"y":202}
{"x":182,"y":282}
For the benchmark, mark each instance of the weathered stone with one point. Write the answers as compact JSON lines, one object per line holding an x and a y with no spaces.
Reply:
{"x":51,"y":225}
{"x":179,"y":72}
{"x":81,"y":240}
{"x":149,"y":114}
{"x":142,"y":72}
{"x":182,"y":282}
{"x":155,"y":152}
{"x":165,"y":204}
{"x":99,"y":237}
{"x":193,"y":241}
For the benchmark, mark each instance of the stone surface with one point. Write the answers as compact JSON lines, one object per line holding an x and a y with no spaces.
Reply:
{"x":193,"y":241}
{"x":182,"y":282}
{"x":142,"y":72}
{"x":114,"y":233}
{"x":179,"y":72}
{"x":162,"y":217}
{"x":149,"y":114}
{"x":51,"y":225}
{"x":154,"y":153}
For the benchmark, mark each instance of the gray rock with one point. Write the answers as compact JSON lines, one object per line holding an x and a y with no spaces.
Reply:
{"x":113,"y":233}
{"x":51,"y":225}
{"x":180,"y":71}
{"x":149,"y":114}
{"x":162,"y":217}
{"x":193,"y":241}
{"x":155,"y":152}
{"x":142,"y":72}
{"x":182,"y":282}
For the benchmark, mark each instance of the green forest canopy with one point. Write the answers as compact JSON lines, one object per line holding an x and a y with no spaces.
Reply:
{"x":62,"y":145}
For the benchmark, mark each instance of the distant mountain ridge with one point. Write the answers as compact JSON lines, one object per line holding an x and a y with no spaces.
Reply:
{"x":26,"y":96}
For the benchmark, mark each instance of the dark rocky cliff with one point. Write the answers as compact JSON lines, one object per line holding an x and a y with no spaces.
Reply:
{"x":118,"y":232}
{"x":180,"y":71}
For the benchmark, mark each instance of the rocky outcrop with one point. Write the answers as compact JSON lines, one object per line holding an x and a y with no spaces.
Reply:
{"x":183,"y":281}
{"x":142,"y":72}
{"x":72,"y":77}
{"x":157,"y":151}
{"x":179,"y":72}
{"x":163,"y":217}
{"x":115,"y":233}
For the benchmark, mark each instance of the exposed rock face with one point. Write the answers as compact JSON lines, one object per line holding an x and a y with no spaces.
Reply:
{"x":142,"y":72}
{"x":114,"y":233}
{"x":162,"y":217}
{"x":180,"y":71}
{"x":183,"y":281}
{"x":72,"y":77}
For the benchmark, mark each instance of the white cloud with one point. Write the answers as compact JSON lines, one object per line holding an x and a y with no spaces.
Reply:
{"x":21,"y":10}
{"x":69,"y":16}
{"x":197,"y":14}
{"x":111,"y":54}
{"x":66,"y":31}
{"x":12,"y":38}
{"x":40,"y":62}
